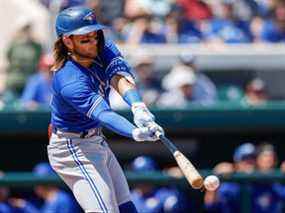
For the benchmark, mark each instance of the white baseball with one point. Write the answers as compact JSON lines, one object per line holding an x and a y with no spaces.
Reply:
{"x":211,"y":182}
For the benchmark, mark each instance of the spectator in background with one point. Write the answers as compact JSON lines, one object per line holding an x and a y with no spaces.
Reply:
{"x":227,"y":27}
{"x":11,"y":204}
{"x":55,"y":199}
{"x":195,"y":9}
{"x":148,"y":80}
{"x":146,"y":29}
{"x":267,"y":197}
{"x":150,"y":199}
{"x":179,"y":85}
{"x":274,"y":30}
{"x":255,"y":93}
{"x":266,"y":159}
{"x":37,"y":90}
{"x":178,"y":29}
{"x":227,"y":198}
{"x":23,"y":55}
{"x":263,"y":7}
{"x":5,"y":207}
{"x":148,"y":83}
{"x":118,"y":30}
{"x":184,"y":85}
{"x":157,"y":8}
{"x":264,"y":197}
{"x":109,"y":10}
{"x":204,"y":87}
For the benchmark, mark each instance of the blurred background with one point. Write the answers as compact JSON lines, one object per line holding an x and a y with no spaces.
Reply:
{"x":211,"y":71}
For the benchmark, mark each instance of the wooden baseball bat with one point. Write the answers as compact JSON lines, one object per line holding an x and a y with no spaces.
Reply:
{"x":187,"y":168}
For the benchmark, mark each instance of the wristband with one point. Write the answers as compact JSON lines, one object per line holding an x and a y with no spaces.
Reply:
{"x":132,"y":96}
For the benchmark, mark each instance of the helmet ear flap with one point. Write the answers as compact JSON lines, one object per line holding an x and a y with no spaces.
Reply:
{"x":101,"y":42}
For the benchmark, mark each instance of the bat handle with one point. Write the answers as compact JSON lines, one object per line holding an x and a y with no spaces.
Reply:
{"x":166,"y":142}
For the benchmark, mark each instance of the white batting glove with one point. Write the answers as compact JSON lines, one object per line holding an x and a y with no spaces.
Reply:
{"x":142,"y":116}
{"x":155,"y":128}
{"x":149,"y":133}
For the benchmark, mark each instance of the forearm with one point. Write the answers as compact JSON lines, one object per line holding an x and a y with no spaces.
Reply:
{"x":116,"y":123}
{"x":127,"y":89}
{"x":142,"y":116}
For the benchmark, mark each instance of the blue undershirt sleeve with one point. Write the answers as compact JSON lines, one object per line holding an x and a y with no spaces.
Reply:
{"x":132,"y":96}
{"x":116,"y":123}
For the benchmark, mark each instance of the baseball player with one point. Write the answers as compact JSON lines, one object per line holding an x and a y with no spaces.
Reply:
{"x":86,"y":67}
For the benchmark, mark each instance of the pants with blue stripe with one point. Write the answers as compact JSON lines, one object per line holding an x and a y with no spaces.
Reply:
{"x":91,"y":171}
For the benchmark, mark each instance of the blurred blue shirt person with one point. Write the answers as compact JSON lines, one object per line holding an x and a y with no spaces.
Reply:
{"x":271,"y":33}
{"x":228,"y":28}
{"x":150,"y":199}
{"x":274,"y":30}
{"x":37,"y":92}
{"x":264,"y":197}
{"x":55,"y":199}
{"x":227,"y":198}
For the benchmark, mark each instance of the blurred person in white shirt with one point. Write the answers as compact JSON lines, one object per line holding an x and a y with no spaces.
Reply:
{"x":179,"y":87}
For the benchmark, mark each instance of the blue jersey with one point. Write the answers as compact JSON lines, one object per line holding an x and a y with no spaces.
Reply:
{"x":265,"y":198}
{"x":37,"y":89}
{"x":271,"y":33}
{"x":229,"y":31}
{"x":5,"y":208}
{"x":80,"y":94}
{"x":61,"y":203}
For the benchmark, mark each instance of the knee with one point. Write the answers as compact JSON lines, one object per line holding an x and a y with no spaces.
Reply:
{"x":128,"y":207}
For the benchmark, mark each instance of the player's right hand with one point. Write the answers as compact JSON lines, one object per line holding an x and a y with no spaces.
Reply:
{"x":144,"y":134}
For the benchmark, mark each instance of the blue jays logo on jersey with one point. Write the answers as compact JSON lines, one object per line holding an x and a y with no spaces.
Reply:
{"x":90,"y":17}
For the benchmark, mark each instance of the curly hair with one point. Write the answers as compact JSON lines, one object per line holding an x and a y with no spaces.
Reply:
{"x":61,"y":53}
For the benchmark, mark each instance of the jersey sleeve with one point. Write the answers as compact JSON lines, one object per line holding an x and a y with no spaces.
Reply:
{"x":115,"y":62}
{"x":84,"y":99}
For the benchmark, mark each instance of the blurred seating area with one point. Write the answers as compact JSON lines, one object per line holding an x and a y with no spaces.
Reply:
{"x":188,"y":21}
{"x":194,"y":51}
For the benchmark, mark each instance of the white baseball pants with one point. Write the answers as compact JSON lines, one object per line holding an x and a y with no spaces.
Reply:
{"x":91,"y":171}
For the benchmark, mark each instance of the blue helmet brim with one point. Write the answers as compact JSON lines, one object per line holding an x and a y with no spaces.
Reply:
{"x":86,"y":29}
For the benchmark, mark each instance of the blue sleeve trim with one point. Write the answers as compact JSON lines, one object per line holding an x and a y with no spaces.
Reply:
{"x":116,"y":123}
{"x":132,"y":96}
{"x":118,"y":65}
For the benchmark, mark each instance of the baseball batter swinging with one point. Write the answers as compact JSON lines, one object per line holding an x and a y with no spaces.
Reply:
{"x":86,"y":67}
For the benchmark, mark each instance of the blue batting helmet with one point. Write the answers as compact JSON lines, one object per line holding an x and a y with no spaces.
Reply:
{"x":77,"y":20}
{"x":143,"y":163}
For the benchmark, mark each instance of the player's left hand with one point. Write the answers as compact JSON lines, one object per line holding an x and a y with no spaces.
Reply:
{"x":142,"y":116}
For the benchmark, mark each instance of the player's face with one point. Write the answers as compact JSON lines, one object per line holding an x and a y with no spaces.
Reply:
{"x":85,"y":45}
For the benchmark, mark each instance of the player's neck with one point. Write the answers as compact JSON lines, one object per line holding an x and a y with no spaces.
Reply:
{"x":85,"y":62}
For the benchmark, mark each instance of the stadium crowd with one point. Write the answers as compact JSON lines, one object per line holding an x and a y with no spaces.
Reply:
{"x":189,"y":21}
{"x":155,"y":21}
